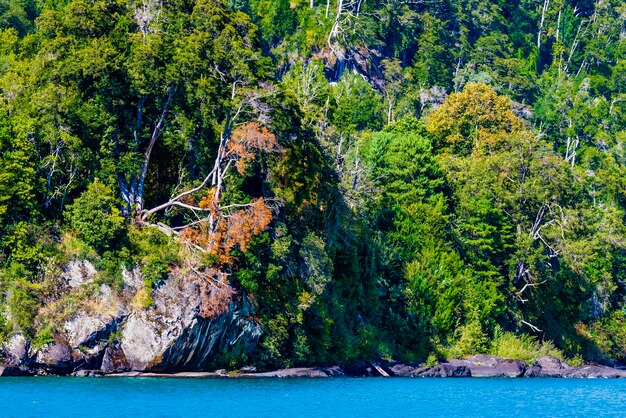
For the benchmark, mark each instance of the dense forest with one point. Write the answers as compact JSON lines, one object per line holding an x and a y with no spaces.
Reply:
{"x":386,"y":179}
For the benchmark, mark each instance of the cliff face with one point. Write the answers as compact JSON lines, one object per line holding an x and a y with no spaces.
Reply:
{"x":111,"y":334}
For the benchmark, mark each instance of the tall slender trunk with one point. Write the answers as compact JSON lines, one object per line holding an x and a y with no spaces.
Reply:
{"x":156,"y":133}
{"x":546,"y":4}
{"x":335,"y":29}
{"x":355,"y":179}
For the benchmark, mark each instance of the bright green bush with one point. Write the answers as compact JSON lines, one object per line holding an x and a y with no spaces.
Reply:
{"x":43,"y":337}
{"x":96,"y":218}
{"x":23,"y":306}
{"x":524,"y":347}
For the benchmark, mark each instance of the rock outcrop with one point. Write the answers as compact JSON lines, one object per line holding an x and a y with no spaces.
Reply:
{"x":548,"y":366}
{"x":109,"y":334}
{"x":173,"y":337}
{"x":482,"y":365}
{"x":299,"y":372}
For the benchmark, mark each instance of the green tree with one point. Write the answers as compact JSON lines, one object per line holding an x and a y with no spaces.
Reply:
{"x":96,"y":218}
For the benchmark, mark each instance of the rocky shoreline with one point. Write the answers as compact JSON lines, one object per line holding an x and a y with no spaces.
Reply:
{"x":111,"y":336}
{"x":475,"y":366}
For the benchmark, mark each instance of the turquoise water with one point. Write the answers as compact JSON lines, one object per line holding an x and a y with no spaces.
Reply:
{"x":373,"y":397}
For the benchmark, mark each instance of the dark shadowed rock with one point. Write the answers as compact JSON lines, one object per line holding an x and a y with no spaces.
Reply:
{"x":359,"y":369}
{"x":447,"y":370}
{"x":334,"y":371}
{"x":114,"y":360}
{"x":6,"y":371}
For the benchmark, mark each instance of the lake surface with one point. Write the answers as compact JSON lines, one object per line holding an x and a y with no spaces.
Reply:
{"x":367,"y":397}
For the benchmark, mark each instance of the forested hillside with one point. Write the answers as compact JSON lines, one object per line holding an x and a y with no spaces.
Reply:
{"x":386,"y":179}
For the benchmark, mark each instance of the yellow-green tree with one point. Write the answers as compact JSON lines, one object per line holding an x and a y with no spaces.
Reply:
{"x":475,"y":119}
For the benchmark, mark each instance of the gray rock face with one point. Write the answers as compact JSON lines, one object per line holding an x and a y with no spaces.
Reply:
{"x":85,"y":330}
{"x":78,"y":272}
{"x":87,"y":373}
{"x":110,"y":336}
{"x":173,"y":337}
{"x":594,"y":371}
{"x":15,"y":352}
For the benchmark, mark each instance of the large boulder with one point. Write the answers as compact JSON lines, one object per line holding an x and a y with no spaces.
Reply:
{"x":595,"y":371}
{"x":15,"y":352}
{"x":548,"y":366}
{"x":55,"y":358}
{"x":293,"y":372}
{"x":114,"y":360}
{"x":447,"y":370}
{"x":483,"y":365}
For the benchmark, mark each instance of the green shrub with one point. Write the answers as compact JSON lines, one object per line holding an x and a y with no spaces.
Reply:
{"x":143,"y":299}
{"x":43,"y":337}
{"x":472,"y":339}
{"x":606,"y":337}
{"x":74,"y":248}
{"x":23,"y":306}
{"x":110,"y":265}
{"x":4,"y":328}
{"x":524,"y":347}
{"x":96,"y":218}
{"x":154,"y":252}
{"x":432,"y":360}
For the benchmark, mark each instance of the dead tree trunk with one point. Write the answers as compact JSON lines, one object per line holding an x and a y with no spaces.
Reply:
{"x":133,"y":192}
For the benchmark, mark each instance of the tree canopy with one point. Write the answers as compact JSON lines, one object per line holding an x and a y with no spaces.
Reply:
{"x":397,"y":180}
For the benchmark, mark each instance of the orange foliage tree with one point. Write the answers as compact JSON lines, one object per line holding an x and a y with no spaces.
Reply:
{"x":218,"y":228}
